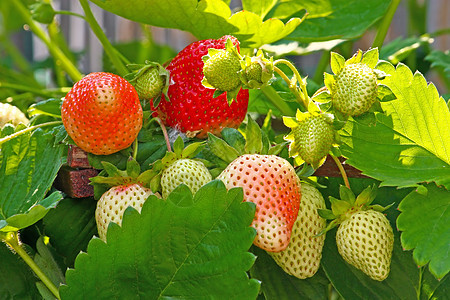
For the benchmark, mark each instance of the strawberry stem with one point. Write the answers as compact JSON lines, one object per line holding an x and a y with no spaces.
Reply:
{"x":166,"y":136}
{"x":12,"y":240}
{"x":26,"y":130}
{"x":56,"y":52}
{"x":385,"y":24}
{"x":300,"y":92}
{"x":341,"y":170}
{"x":98,"y":31}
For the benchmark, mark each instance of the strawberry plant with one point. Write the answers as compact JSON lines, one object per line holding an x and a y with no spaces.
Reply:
{"x":236,"y":168}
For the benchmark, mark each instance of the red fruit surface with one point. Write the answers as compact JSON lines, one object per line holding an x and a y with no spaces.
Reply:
{"x":270,"y":182}
{"x":102,"y":113}
{"x":192,"y":108}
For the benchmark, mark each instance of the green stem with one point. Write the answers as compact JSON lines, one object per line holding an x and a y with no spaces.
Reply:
{"x":70,"y":13}
{"x":385,"y":24}
{"x":341,"y":169}
{"x":135,"y":149}
{"x":25,"y":88}
{"x":26,"y":130}
{"x":277,"y":101}
{"x":418,"y":290}
{"x":59,"y":56}
{"x":302,"y":97}
{"x":12,"y":239}
{"x":109,"y":49}
{"x":321,"y":66}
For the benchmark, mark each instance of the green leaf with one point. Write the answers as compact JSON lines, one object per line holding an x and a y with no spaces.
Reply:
{"x":221,"y":149}
{"x":259,"y":7}
{"x":411,"y":142}
{"x":430,"y":237}
{"x":234,"y":138}
{"x":253,"y":137}
{"x":337,"y":62}
{"x":346,"y":194}
{"x":179,"y":250}
{"x":277,"y":284}
{"x":370,"y":58}
{"x":204,"y":19}
{"x":400,"y":48}
{"x":17,"y":279}
{"x":28,"y":166}
{"x":440,"y":59}
{"x":336,"y":19}
{"x":70,"y":226}
{"x":50,"y":107}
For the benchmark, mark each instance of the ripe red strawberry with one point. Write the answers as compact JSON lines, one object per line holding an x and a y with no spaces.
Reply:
{"x":102,"y":113}
{"x":271,"y":183}
{"x":191,"y":107}
{"x":112,"y":204}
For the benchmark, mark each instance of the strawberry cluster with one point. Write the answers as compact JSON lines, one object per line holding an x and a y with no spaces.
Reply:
{"x":204,"y":93}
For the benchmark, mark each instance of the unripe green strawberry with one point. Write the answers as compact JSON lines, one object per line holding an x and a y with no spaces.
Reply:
{"x":221,"y":70}
{"x":354,"y":90}
{"x":112,"y":204}
{"x":302,"y":256}
{"x":365,"y":240}
{"x":11,"y":114}
{"x":149,"y":84}
{"x":254,"y":71}
{"x":192,"y":173}
{"x":311,"y":137}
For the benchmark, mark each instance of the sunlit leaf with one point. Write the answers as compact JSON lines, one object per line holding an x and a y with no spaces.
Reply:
{"x":180,"y":248}
{"x":28,"y":167}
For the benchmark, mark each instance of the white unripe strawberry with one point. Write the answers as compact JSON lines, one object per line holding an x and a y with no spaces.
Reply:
{"x":365,"y":240}
{"x":11,"y":114}
{"x":112,"y":204}
{"x":302,"y":256}
{"x":190,"y":172}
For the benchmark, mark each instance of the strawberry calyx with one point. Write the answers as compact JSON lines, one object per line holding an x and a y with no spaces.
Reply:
{"x":234,"y":143}
{"x":221,"y":71}
{"x":312,"y":136}
{"x":257,"y":71}
{"x":111,"y":176}
{"x":179,"y":152}
{"x":150,"y":80}
{"x":342,"y":209}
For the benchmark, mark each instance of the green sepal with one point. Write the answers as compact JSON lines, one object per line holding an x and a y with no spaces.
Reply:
{"x":234,"y":138}
{"x":192,"y":150}
{"x":112,"y":170}
{"x":290,"y":122}
{"x":337,"y":62}
{"x":275,"y":150}
{"x":254,"y":143}
{"x":155,"y":183}
{"x":370,"y":58}
{"x":339,"y":120}
{"x":232,"y":95}
{"x":133,"y":168}
{"x":42,"y":12}
{"x":221,"y":149}
{"x":366,"y":197}
{"x":217,"y":93}
{"x":339,"y":207}
{"x":346,"y":194}
{"x":330,"y":226}
{"x":322,"y":96}
{"x":326,"y":214}
{"x":356,"y":58}
{"x":380,"y":208}
{"x":178,"y":146}
{"x":328,"y":80}
{"x":384,"y":93}
{"x":306,"y":171}
{"x":380,"y":74}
